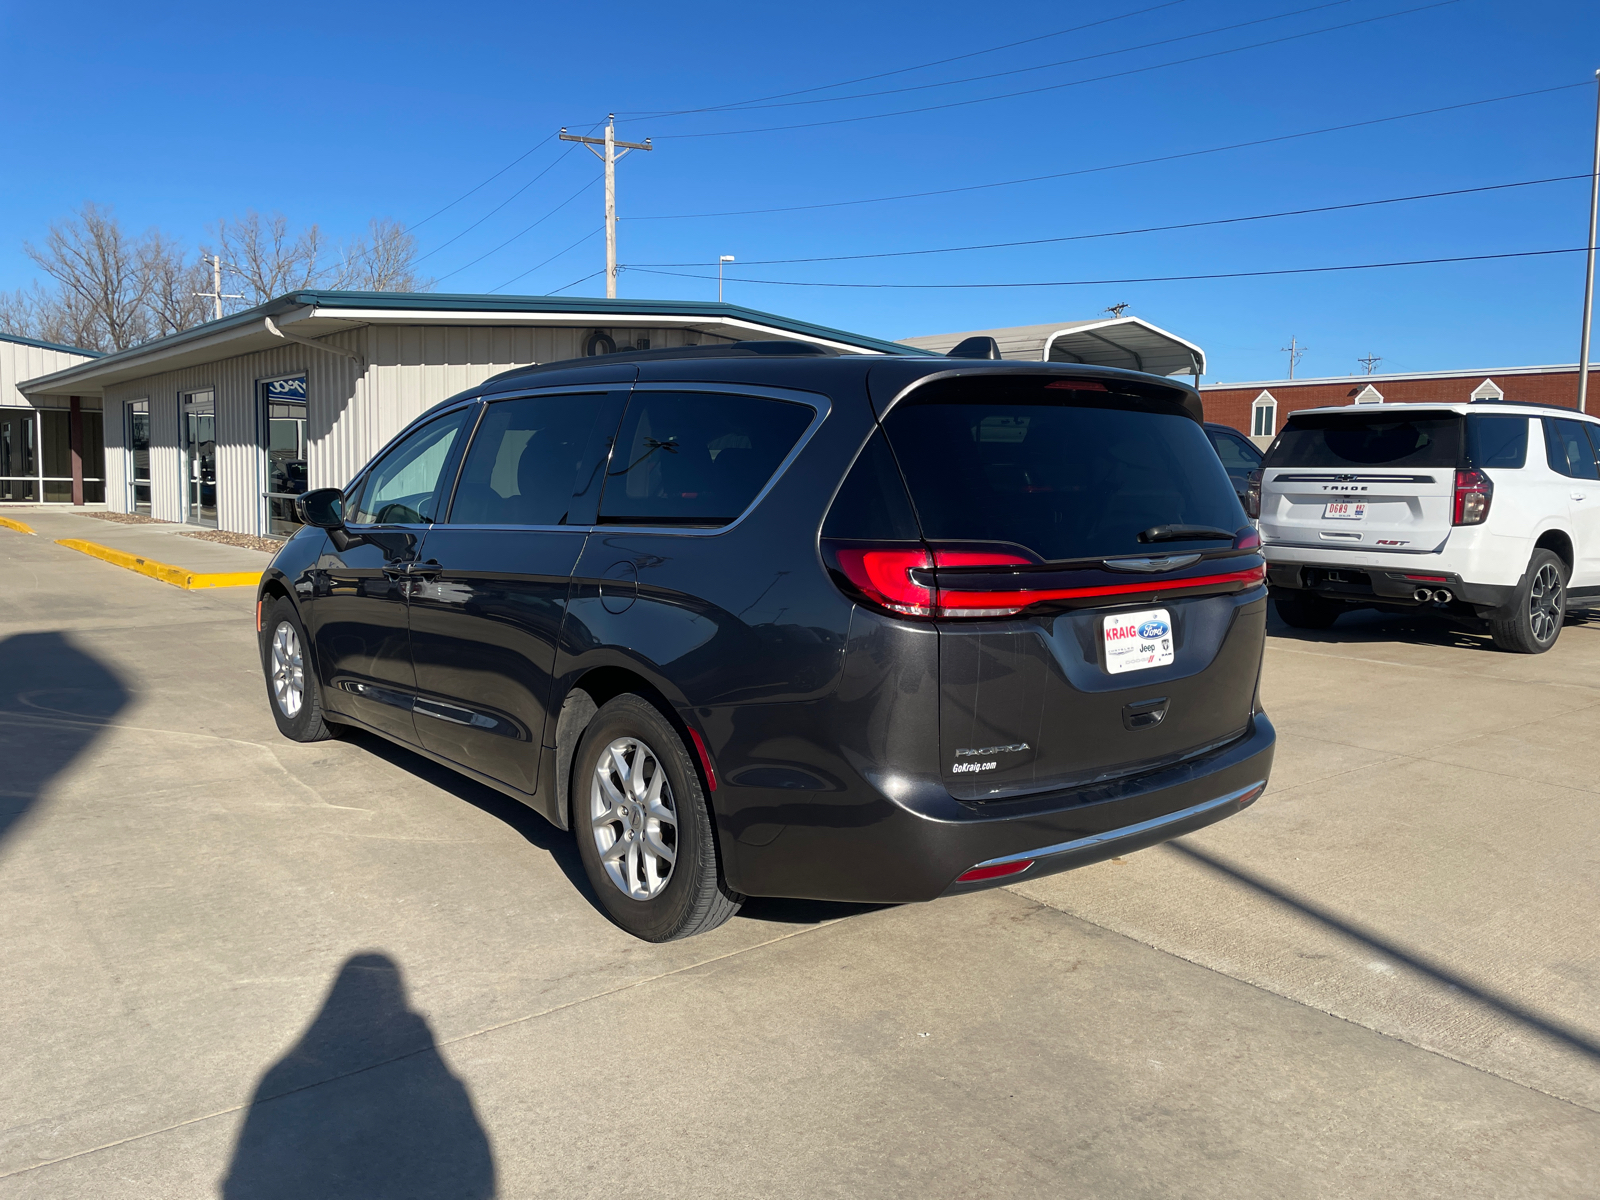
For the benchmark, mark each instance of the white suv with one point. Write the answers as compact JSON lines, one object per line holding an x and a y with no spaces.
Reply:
{"x":1486,"y":510}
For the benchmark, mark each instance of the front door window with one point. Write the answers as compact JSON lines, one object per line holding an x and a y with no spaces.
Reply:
{"x":19,"y":454}
{"x":286,"y":452}
{"x":200,"y":458}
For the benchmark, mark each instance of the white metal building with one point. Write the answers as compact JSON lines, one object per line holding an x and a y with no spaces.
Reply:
{"x":50,"y":447}
{"x":222,"y":424}
{"x":1127,"y":342}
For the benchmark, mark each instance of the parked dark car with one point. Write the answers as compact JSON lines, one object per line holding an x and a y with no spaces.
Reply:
{"x":765,"y":620}
{"x":1239,"y":455}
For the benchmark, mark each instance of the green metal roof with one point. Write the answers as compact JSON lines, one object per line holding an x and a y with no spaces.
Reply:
{"x":27,"y":341}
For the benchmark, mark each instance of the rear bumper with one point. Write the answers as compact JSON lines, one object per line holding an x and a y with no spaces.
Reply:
{"x":1396,"y":586}
{"x":895,"y":851}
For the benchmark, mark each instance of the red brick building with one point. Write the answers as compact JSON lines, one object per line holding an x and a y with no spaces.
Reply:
{"x":1260,"y":409}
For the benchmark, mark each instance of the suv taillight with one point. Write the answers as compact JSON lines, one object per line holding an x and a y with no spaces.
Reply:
{"x":1474,"y":491}
{"x":1252,"y":495}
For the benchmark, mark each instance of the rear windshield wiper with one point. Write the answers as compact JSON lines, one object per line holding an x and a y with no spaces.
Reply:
{"x":1185,"y":533}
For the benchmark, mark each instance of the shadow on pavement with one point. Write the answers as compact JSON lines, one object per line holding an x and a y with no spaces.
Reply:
{"x":557,"y":843}
{"x":803,"y":912}
{"x":1421,"y":628}
{"x":54,"y":700}
{"x":362,"y":1106}
{"x":1576,"y":1038}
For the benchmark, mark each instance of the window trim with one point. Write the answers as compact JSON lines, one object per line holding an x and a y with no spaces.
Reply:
{"x":1268,"y":402}
{"x":1487,"y":391}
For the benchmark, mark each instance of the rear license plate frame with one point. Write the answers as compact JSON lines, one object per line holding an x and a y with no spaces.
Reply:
{"x":1344,"y":510}
{"x":1130,"y":649}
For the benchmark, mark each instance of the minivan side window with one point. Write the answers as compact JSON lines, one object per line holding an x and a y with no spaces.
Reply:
{"x":524,"y":461}
{"x":690,"y":458}
{"x":1567,"y":448}
{"x":406,"y":486}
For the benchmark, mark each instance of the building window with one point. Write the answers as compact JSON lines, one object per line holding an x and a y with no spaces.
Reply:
{"x":1264,"y":416}
{"x":1488,"y":390}
{"x":1368,"y":395}
{"x":36,"y":455}
{"x":284,"y":404}
{"x":138,"y":443}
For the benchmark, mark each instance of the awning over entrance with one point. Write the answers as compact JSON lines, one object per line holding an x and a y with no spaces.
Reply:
{"x":1127,"y":342}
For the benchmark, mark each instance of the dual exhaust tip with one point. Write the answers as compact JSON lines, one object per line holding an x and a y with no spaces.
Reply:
{"x":1433,"y":595}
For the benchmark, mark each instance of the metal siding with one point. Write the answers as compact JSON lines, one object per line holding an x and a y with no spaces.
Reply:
{"x":351,"y":413}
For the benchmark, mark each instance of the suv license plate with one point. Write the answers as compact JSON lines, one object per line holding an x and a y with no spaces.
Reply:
{"x":1344,"y":510}
{"x":1137,"y":640}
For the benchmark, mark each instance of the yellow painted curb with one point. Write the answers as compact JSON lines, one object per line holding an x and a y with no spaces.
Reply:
{"x":8,"y":523}
{"x":165,"y":572}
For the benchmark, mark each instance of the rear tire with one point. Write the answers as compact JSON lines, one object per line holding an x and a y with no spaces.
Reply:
{"x":1307,"y":612}
{"x":293,"y":693}
{"x":643,"y":826}
{"x":1539,"y":609}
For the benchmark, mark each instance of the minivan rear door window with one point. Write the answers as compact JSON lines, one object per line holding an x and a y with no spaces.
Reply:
{"x":1065,"y":474}
{"x":697,"y":458}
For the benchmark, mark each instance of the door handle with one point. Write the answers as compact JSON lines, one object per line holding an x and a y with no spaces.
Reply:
{"x":423,"y":571}
{"x":1578,"y":495}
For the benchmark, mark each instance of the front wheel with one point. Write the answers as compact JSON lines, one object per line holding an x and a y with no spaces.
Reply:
{"x":292,"y":689}
{"x":643,"y":827}
{"x":1538,"y":610}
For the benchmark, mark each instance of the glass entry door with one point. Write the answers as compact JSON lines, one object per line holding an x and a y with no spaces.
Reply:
{"x":19,"y":454}
{"x":286,"y":452}
{"x":200,"y":458}
{"x":139,"y":457}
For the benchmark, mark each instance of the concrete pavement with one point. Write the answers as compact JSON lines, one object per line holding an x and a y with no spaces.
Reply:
{"x":240,"y":966}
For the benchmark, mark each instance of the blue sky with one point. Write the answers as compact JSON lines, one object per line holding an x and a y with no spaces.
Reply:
{"x":176,"y":115}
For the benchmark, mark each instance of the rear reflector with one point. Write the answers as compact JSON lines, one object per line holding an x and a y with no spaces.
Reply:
{"x":258,"y":616}
{"x":1429,"y":578}
{"x":705,"y":759}
{"x":999,"y":870}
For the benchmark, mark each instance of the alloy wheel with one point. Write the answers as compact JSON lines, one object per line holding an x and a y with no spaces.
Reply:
{"x":634,"y":819}
{"x":288,"y":670}
{"x":1545,"y":603}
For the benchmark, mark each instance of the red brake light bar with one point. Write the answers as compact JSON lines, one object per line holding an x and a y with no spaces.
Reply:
{"x":885,"y":577}
{"x":978,"y":874}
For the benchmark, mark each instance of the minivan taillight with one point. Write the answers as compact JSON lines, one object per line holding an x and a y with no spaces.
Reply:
{"x":1474,"y":491}
{"x":1252,"y":495}
{"x":884,"y":576}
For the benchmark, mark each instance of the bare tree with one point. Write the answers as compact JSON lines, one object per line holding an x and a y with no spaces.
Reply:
{"x":61,"y":318}
{"x":265,"y":260}
{"x":101,"y":274}
{"x":175,"y":301}
{"x":382,"y":262}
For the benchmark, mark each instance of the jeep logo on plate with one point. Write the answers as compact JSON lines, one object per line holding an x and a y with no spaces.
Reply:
{"x":1151,"y":630}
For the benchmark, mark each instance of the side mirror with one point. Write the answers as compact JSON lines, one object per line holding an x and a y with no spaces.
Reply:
{"x":323,"y":508}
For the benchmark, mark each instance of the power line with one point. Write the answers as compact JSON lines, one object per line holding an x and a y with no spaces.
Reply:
{"x":1412,"y":262}
{"x":576,"y":282}
{"x":1084,"y":237}
{"x":1072,"y":83}
{"x":906,"y":70}
{"x":1139,"y":162}
{"x":548,"y":261}
{"x":553,"y":165}
{"x":1065,"y":62}
{"x":482,"y":185}
{"x":586,"y":186}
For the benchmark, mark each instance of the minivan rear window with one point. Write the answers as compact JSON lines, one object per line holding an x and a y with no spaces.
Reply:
{"x":1066,"y":474}
{"x":1367,"y":439}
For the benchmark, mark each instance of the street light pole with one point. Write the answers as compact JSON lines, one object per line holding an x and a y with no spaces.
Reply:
{"x":1588,"y":274}
{"x":726,"y":258}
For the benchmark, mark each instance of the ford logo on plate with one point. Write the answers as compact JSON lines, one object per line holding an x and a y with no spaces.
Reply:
{"x":1153,"y":629}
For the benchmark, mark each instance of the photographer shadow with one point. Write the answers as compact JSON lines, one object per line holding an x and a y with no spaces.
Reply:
{"x":363,"y":1106}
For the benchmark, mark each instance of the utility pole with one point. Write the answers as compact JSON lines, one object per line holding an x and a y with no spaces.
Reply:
{"x":216,"y":293}
{"x":1588,"y":274}
{"x":1294,"y":350}
{"x":1370,"y":361}
{"x":1116,"y":310}
{"x":726,"y":258}
{"x":610,"y":159}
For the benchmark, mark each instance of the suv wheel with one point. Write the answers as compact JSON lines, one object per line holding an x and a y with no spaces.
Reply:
{"x":1307,"y":611}
{"x":1539,"y":609}
{"x":644,"y":831}
{"x":292,"y":689}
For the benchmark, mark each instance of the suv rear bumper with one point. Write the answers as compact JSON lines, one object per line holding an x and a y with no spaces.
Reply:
{"x":1372,"y":585}
{"x":916,"y":848}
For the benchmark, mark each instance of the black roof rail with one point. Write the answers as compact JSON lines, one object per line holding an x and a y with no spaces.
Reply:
{"x":1523,"y":404}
